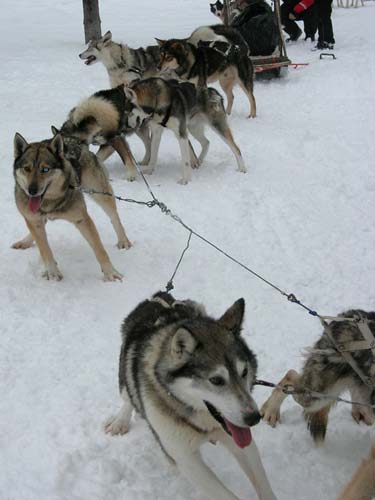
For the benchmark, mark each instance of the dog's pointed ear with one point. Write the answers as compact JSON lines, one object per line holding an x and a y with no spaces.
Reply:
{"x":182,"y":345}
{"x":20,"y":144}
{"x":54,"y":130}
{"x":57,"y":145}
{"x":130,"y":94}
{"x":160,"y":42}
{"x":233,"y":317}
{"x":107,"y":38}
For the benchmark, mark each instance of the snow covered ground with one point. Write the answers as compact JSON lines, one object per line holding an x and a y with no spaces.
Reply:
{"x":302,"y":216}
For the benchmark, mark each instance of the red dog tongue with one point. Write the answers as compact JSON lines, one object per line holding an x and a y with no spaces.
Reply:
{"x":34,"y":203}
{"x":241,"y":435}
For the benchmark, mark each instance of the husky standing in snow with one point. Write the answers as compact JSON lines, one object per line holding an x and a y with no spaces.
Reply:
{"x":46,"y":173}
{"x":212,"y":52}
{"x":326,"y":371}
{"x":181,"y":107}
{"x":190,"y":377}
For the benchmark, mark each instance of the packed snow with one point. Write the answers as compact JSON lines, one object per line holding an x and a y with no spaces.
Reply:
{"x":302,"y":216}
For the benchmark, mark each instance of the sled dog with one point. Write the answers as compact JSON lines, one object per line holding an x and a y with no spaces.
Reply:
{"x":197,"y":58}
{"x":183,"y":108}
{"x":190,"y":376}
{"x":217,"y":10}
{"x":98,"y":120}
{"x":123,"y":64}
{"x":326,"y":371}
{"x":46,"y":174}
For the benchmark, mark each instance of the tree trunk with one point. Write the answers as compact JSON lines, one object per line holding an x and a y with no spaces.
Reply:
{"x":91,"y":20}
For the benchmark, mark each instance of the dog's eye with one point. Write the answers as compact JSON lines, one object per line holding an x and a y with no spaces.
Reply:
{"x":44,"y":170}
{"x":27,"y":169}
{"x":245,"y":372}
{"x":217,"y":380}
{"x":168,"y":58}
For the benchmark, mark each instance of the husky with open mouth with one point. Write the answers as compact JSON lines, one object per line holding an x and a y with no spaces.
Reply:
{"x":123,"y":64}
{"x":190,"y":377}
{"x":46,"y":175}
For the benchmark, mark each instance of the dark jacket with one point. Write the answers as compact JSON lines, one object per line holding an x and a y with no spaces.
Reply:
{"x":258,"y":26}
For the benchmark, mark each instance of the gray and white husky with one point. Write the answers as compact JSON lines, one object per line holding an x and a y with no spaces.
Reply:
{"x":123,"y":63}
{"x":182,"y":107}
{"x":326,"y":371}
{"x":190,"y":377}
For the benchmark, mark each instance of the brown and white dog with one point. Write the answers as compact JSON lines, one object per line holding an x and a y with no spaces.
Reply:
{"x":197,"y":59}
{"x":46,"y":174}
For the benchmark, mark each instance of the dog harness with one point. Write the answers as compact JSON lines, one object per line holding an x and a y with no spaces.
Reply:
{"x":345,"y":348}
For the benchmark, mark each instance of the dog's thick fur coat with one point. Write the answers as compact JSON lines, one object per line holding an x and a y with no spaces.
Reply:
{"x":326,"y":371}
{"x":181,"y":107}
{"x":190,"y":377}
{"x":196,"y":61}
{"x":98,"y":119}
{"x":46,"y":175}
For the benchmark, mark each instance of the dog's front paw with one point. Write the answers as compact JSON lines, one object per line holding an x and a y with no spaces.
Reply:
{"x":124,"y":244}
{"x":183,"y":182}
{"x":270,"y":414}
{"x":148,"y":170}
{"x":24,"y":243}
{"x":242,"y":169}
{"x":131,"y":174}
{"x":52,"y":273}
{"x":115,"y":425}
{"x":112,"y":275}
{"x":195,"y":163}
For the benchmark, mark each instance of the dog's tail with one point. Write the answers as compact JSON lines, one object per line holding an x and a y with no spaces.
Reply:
{"x":246,"y":75}
{"x":201,"y":56}
{"x":246,"y":70}
{"x":93,"y":116}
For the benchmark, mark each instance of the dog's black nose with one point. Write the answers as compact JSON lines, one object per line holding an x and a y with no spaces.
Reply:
{"x":252,"y":418}
{"x":33,"y":189}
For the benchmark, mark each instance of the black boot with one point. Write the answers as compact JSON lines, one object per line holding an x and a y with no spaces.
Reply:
{"x":295,"y":36}
{"x":321,"y":46}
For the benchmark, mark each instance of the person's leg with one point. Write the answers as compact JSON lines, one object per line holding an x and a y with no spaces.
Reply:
{"x":325,"y":28}
{"x":326,"y":12}
{"x":289,"y":26}
{"x":310,"y":22}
